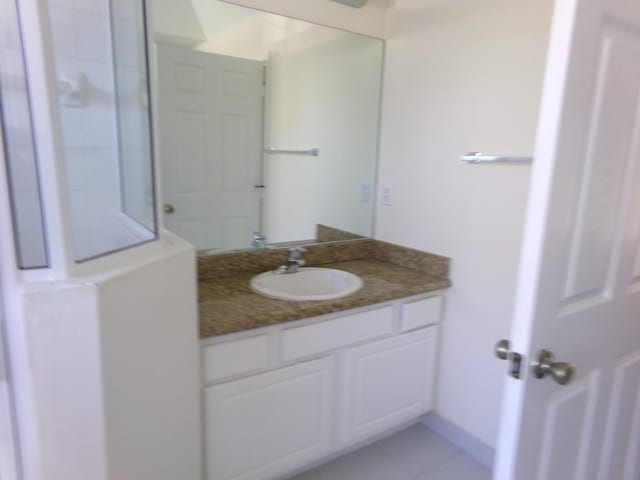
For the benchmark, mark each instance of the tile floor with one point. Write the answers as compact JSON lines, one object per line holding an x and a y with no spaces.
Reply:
{"x":416,"y":453}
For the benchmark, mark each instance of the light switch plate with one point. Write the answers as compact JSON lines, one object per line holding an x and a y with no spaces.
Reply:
{"x":386,"y":195}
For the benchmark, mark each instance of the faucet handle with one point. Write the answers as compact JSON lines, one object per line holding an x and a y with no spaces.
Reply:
{"x":296,"y":252}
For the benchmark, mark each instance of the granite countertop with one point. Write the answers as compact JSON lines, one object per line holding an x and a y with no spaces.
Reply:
{"x":228,"y":305}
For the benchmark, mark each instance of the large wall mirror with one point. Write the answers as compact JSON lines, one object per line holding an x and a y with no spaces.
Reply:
{"x":266,"y":124}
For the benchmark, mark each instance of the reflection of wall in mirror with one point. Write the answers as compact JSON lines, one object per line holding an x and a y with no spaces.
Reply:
{"x":216,"y":27}
{"x":323,"y":92}
{"x":368,"y":20}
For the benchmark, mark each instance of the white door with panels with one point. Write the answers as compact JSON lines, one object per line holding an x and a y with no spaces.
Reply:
{"x":210,"y":124}
{"x":574,"y":413}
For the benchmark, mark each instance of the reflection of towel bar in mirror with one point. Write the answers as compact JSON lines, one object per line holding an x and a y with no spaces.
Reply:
{"x":314,"y":152}
{"x":479,"y":157}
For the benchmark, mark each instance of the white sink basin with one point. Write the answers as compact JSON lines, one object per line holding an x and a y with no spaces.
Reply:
{"x":306,"y":284}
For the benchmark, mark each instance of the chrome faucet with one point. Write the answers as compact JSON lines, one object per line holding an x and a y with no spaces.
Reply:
{"x":294,"y":261}
{"x":259,"y":241}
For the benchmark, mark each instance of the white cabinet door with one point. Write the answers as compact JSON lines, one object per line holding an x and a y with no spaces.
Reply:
{"x":387,"y":383}
{"x":269,"y":424}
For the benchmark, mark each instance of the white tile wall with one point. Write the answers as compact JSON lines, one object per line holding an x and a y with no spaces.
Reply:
{"x":82,"y":45}
{"x":100,"y":7}
{"x":63,"y":31}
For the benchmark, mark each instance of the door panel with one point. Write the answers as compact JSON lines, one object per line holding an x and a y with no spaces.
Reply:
{"x":190,"y":128}
{"x":621,"y":446}
{"x":606,"y":161}
{"x":567,"y":436}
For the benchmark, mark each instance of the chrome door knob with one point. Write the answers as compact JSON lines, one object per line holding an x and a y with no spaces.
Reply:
{"x":168,"y":208}
{"x":561,"y":372}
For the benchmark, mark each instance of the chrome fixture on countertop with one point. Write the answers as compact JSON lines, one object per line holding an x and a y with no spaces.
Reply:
{"x":294,"y":261}
{"x":259,"y":241}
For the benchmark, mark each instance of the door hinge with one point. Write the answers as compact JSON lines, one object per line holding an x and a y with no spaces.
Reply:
{"x":515,"y":359}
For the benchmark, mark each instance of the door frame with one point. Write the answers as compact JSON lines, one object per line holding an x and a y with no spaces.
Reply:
{"x":9,"y":452}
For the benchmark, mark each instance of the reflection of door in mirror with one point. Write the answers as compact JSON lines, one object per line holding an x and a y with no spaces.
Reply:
{"x":210,"y":118}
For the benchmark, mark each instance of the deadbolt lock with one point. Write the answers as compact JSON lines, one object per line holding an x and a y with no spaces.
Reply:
{"x":503,"y":352}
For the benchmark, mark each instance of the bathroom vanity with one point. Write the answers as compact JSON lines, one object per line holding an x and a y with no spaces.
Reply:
{"x":288,"y":384}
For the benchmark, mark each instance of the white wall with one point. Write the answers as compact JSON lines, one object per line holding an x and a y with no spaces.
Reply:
{"x":176,"y":21}
{"x":150,"y":356}
{"x":236,"y":31}
{"x":222,"y":28}
{"x":110,"y":371}
{"x":463,"y":76}
{"x":368,"y":20}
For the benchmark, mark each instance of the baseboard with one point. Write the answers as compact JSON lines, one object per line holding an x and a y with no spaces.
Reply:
{"x":473,"y":447}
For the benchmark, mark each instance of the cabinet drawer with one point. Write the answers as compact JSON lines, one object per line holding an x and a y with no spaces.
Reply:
{"x":235,"y":358}
{"x":324,"y":336}
{"x":421,"y":313}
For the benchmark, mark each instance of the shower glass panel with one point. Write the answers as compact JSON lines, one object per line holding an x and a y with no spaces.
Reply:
{"x":132,"y":101}
{"x":101,"y":66}
{"x":19,"y":148}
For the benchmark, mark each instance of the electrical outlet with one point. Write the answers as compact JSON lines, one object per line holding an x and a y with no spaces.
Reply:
{"x":365,"y":193}
{"x":386,"y":195}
